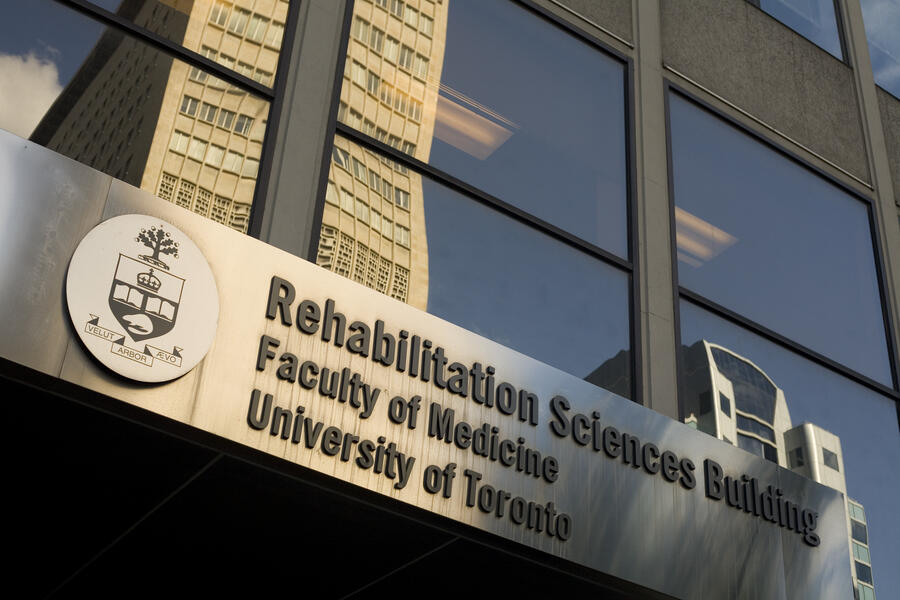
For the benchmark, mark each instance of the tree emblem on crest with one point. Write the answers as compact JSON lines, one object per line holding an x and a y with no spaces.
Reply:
{"x":160,"y":242}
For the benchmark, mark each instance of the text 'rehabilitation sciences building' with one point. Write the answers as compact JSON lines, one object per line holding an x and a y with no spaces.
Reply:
{"x":452,"y":297}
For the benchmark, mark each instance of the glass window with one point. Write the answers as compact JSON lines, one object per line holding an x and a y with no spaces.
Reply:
{"x":813,"y":19}
{"x":233,"y":162}
{"x":359,"y":169}
{"x":257,"y":28}
{"x":863,"y":572}
{"x":815,"y":404}
{"x":757,"y":447}
{"x":362,"y":211}
{"x":331,"y":195}
{"x":274,"y":35}
{"x":219,"y":14}
{"x":208,"y":112}
{"x":243,"y":124}
{"x":197,"y":149}
{"x":179,"y":142}
{"x":861,"y":552}
{"x":226,"y":118}
{"x":360,"y":29}
{"x":520,"y":272}
{"x":859,"y":532}
{"x":426,"y":25}
{"x":761,"y":235}
{"x":376,"y":41}
{"x":251,"y":167}
{"x":755,"y":427}
{"x":189,"y":105}
{"x":489,"y":113}
{"x":830,"y":459}
{"x":102,"y":96}
{"x":347,"y":200}
{"x":392,"y":49}
{"x":239,"y":20}
{"x":725,"y":404}
{"x":865,"y":592}
{"x":401,"y":235}
{"x":796,"y":458}
{"x":406,"y":57}
{"x":856,"y":511}
{"x":882,"y":20}
{"x":214,"y":155}
{"x":411,"y":17}
{"x":401,"y":198}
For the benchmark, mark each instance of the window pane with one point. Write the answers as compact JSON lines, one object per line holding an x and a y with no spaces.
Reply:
{"x":863,"y":572}
{"x":813,"y":19}
{"x":118,"y":105}
{"x":815,"y":408}
{"x":771,"y":240}
{"x":882,"y":19}
{"x":482,"y":270}
{"x":485,"y":103}
{"x":859,"y":532}
{"x":202,"y":23}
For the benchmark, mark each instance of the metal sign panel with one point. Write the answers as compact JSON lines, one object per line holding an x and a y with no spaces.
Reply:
{"x":320,"y":371}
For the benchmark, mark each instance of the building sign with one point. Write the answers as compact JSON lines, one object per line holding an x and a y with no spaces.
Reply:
{"x":330,"y":376}
{"x":142,"y":298}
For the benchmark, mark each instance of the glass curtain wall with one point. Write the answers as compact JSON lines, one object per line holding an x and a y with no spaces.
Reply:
{"x":465,"y":182}
{"x":97,"y":85}
{"x":783,"y":340}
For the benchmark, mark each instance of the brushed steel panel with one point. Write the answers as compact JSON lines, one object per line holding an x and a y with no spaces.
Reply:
{"x":47,"y":204}
{"x":626,"y":522}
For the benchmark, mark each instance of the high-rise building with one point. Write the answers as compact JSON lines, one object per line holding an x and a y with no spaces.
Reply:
{"x":188,"y":137}
{"x":731,"y":398}
{"x":487,"y":273}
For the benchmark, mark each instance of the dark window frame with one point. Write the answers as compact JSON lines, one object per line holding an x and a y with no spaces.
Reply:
{"x":629,"y":265}
{"x":681,"y":293}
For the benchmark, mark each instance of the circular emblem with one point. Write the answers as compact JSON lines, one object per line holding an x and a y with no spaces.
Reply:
{"x":142,"y":298}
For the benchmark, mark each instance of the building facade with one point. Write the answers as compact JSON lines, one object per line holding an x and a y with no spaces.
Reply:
{"x":692,"y":205}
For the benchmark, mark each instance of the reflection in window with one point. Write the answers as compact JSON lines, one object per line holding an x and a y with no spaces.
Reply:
{"x":483,"y":75}
{"x":882,"y":20}
{"x":755,"y":446}
{"x":858,"y":532}
{"x":813,"y":19}
{"x":863,"y":572}
{"x":431,"y":240}
{"x":825,"y":427}
{"x":142,"y":116}
{"x":745,"y":240}
{"x":830,"y":459}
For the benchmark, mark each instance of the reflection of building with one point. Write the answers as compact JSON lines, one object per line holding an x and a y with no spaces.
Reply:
{"x":731,"y":398}
{"x":167,"y":127}
{"x":373,"y":226}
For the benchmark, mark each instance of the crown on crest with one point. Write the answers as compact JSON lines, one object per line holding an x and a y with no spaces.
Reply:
{"x":149,"y":281}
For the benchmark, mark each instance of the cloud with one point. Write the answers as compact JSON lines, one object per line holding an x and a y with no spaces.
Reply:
{"x":30,"y":85}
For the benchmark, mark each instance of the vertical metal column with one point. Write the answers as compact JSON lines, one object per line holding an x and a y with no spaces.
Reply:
{"x":654,"y":243}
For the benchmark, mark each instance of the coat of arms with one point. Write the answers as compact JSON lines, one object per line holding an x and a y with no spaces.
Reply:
{"x":144,"y":295}
{"x":162,"y":303}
